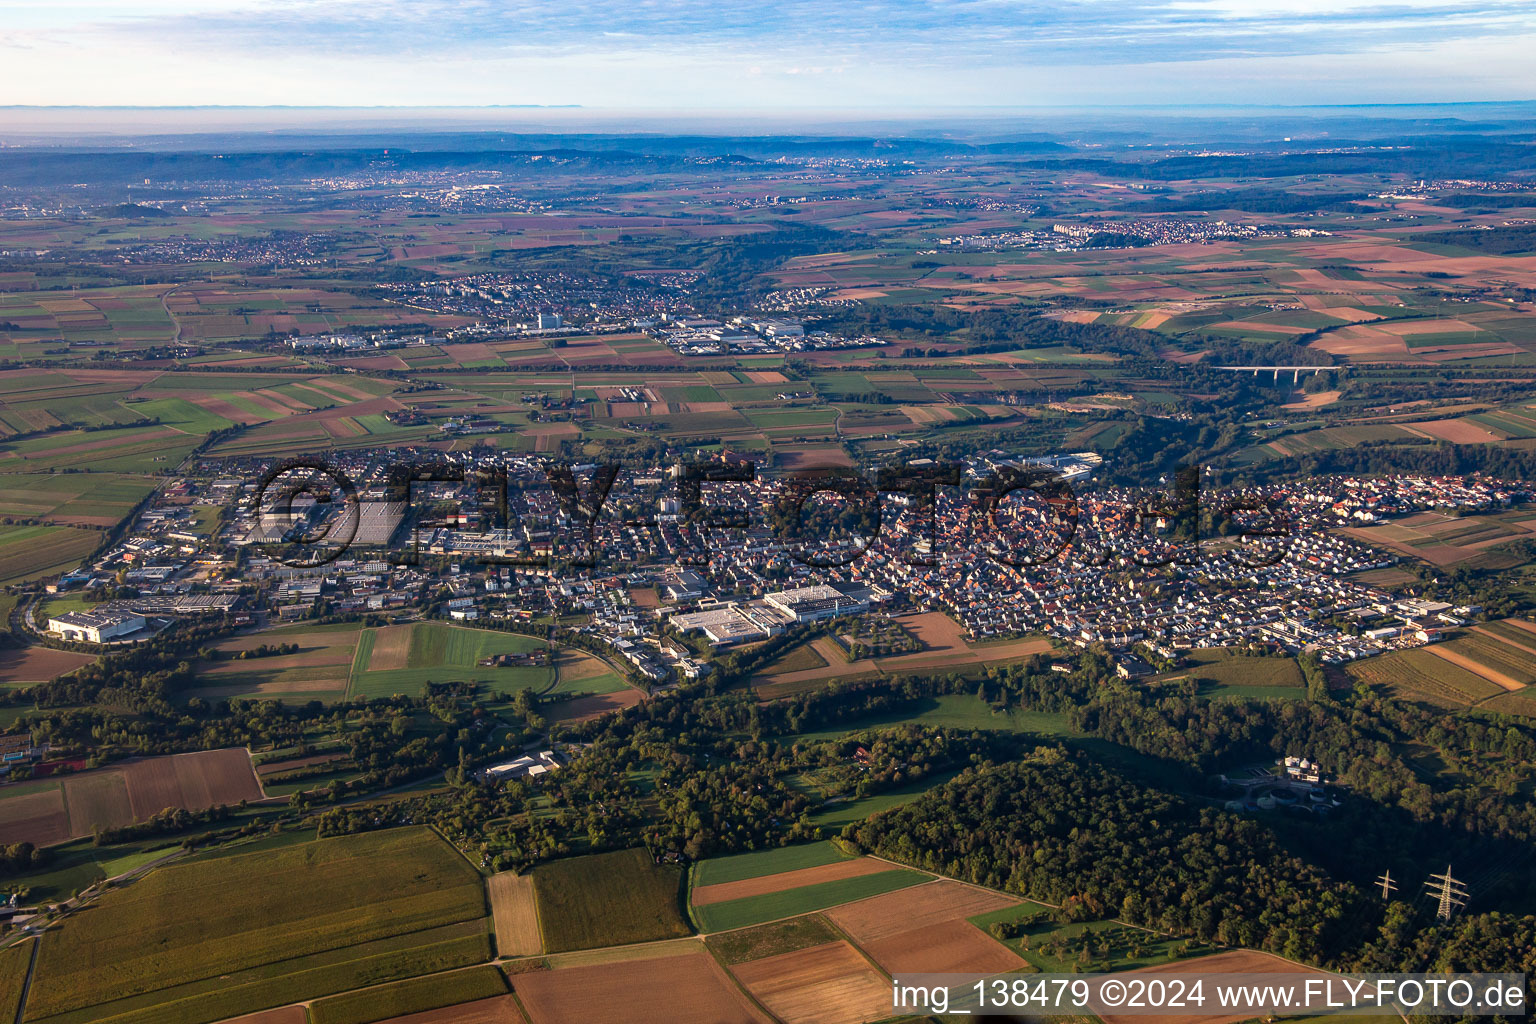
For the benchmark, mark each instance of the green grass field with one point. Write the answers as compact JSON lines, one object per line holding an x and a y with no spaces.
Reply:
{"x":443,"y":653}
{"x":608,"y":899}
{"x":336,"y":662}
{"x":835,"y":816}
{"x":717,"y":917}
{"x":414,"y":995}
{"x":295,"y":922}
{"x":739,"y":866}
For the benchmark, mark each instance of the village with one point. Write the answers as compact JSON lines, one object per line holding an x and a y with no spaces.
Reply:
{"x":636,"y":583}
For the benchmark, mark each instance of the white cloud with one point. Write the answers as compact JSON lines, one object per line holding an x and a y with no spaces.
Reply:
{"x":745,"y":53}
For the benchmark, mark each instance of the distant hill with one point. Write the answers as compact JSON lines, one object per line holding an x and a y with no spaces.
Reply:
{"x":133,"y":211}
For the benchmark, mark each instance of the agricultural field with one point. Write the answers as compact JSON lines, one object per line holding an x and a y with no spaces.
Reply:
{"x":15,"y":959}
{"x":1237,"y":961}
{"x":31,"y":552}
{"x":825,"y":984}
{"x":516,"y":914}
{"x":1445,"y":540}
{"x":738,"y":867}
{"x":24,"y":666}
{"x":52,"y":810}
{"x":1505,"y":662}
{"x":321,"y":668}
{"x":753,"y":888}
{"x":496,"y":1010}
{"x":72,"y":499}
{"x":607,"y":899}
{"x":584,"y":709}
{"x":745,"y":945}
{"x":1223,"y":671}
{"x":683,"y":988}
{"x":926,"y":929}
{"x":411,"y":996}
{"x":1420,"y":674}
{"x":349,"y":659}
{"x":298,"y":922}
{"x":935,"y":640}
{"x":137,"y":422}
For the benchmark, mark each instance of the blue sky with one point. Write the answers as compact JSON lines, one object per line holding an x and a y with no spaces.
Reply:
{"x":738,"y":54}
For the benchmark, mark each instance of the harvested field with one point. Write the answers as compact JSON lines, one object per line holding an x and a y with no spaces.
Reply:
{"x":830,"y":984}
{"x":690,"y":989}
{"x":583,"y":709}
{"x":282,"y":1015}
{"x":37,"y":817}
{"x":500,"y":1010}
{"x":1455,"y":431}
{"x":745,"y":945}
{"x":38,"y":664}
{"x":944,"y":646}
{"x":924,"y":929}
{"x":949,"y":946}
{"x":1315,"y":400}
{"x":1237,"y":961}
{"x":98,"y":799}
{"x":391,"y":647}
{"x":133,"y":791}
{"x":515,"y":913}
{"x":785,"y":880}
{"x":328,"y":657}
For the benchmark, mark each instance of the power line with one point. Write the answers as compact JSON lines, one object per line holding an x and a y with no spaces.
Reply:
{"x":1387,"y":885}
{"x":1449,"y":892}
